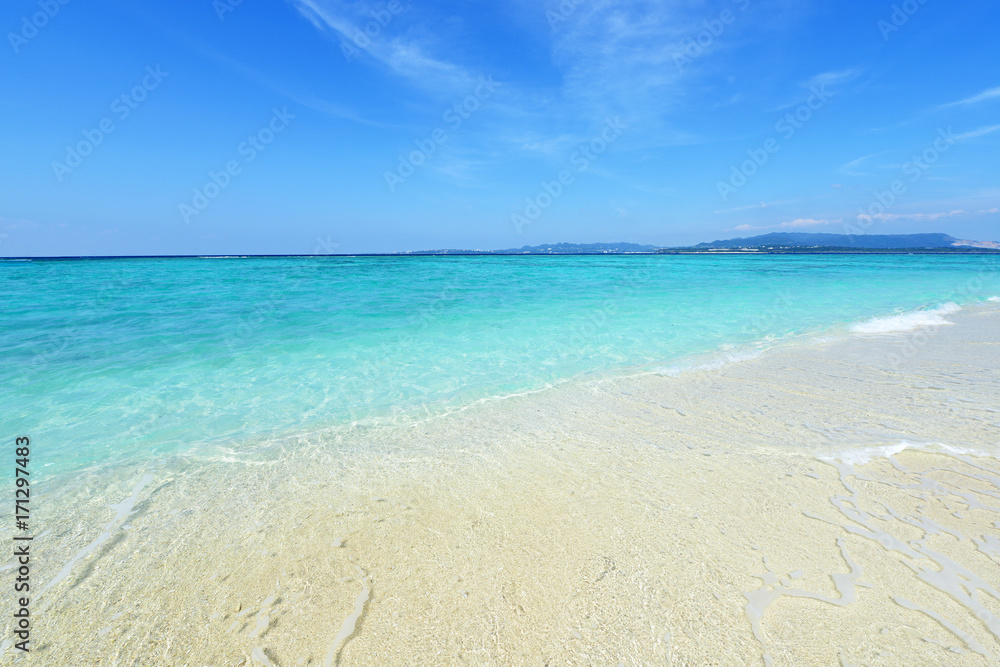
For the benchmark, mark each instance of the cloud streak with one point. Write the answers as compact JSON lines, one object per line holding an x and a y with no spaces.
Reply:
{"x":890,"y":217}
{"x":989,"y":94}
{"x":977,"y":133}
{"x":405,"y":58}
{"x":850,"y":167}
{"x":798,"y":223}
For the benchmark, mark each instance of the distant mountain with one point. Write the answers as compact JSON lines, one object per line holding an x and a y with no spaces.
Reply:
{"x":793,"y":242}
{"x":867,"y":241}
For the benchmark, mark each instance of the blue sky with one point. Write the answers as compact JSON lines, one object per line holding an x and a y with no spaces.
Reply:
{"x":311,"y":126}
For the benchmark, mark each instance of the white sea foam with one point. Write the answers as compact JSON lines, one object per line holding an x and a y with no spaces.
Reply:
{"x":917,"y":319}
{"x":864,"y":455}
{"x":721,"y":361}
{"x":994,"y":298}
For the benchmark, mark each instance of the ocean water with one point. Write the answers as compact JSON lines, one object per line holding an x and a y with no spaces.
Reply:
{"x":107,"y":361}
{"x":503,"y":460}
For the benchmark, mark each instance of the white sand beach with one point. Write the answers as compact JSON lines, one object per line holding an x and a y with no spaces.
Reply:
{"x":825,"y":503}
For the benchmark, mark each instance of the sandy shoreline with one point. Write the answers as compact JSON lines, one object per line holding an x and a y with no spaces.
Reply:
{"x":680,"y":520}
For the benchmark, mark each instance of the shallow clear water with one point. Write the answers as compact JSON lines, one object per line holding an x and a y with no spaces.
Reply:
{"x":108,"y":360}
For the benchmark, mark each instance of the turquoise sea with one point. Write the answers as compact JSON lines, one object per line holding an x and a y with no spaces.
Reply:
{"x":114,"y":360}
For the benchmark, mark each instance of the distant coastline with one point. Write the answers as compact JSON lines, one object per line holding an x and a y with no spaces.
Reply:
{"x":827,"y":250}
{"x":777,"y":243}
{"x":769,"y":244}
{"x":487,"y":253}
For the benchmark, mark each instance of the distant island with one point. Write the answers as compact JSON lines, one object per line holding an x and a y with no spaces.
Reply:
{"x":777,"y":243}
{"x":809,"y":241}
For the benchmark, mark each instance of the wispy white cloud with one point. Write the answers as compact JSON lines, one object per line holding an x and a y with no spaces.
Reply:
{"x":890,"y":217}
{"x":401,"y":56}
{"x":834,"y":78}
{"x":849,"y":168}
{"x":17,"y":223}
{"x":806,"y":222}
{"x":988,"y":94}
{"x":798,"y":223}
{"x":761,"y":205}
{"x":617,"y":58}
{"x":827,"y":83}
{"x":977,"y":133}
{"x":613,"y":58}
{"x":735,"y":99}
{"x":462,"y":171}
{"x":309,"y":100}
{"x":620,"y":57}
{"x":548,"y":145}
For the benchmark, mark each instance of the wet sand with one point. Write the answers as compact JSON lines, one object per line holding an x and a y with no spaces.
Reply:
{"x":763,"y":512}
